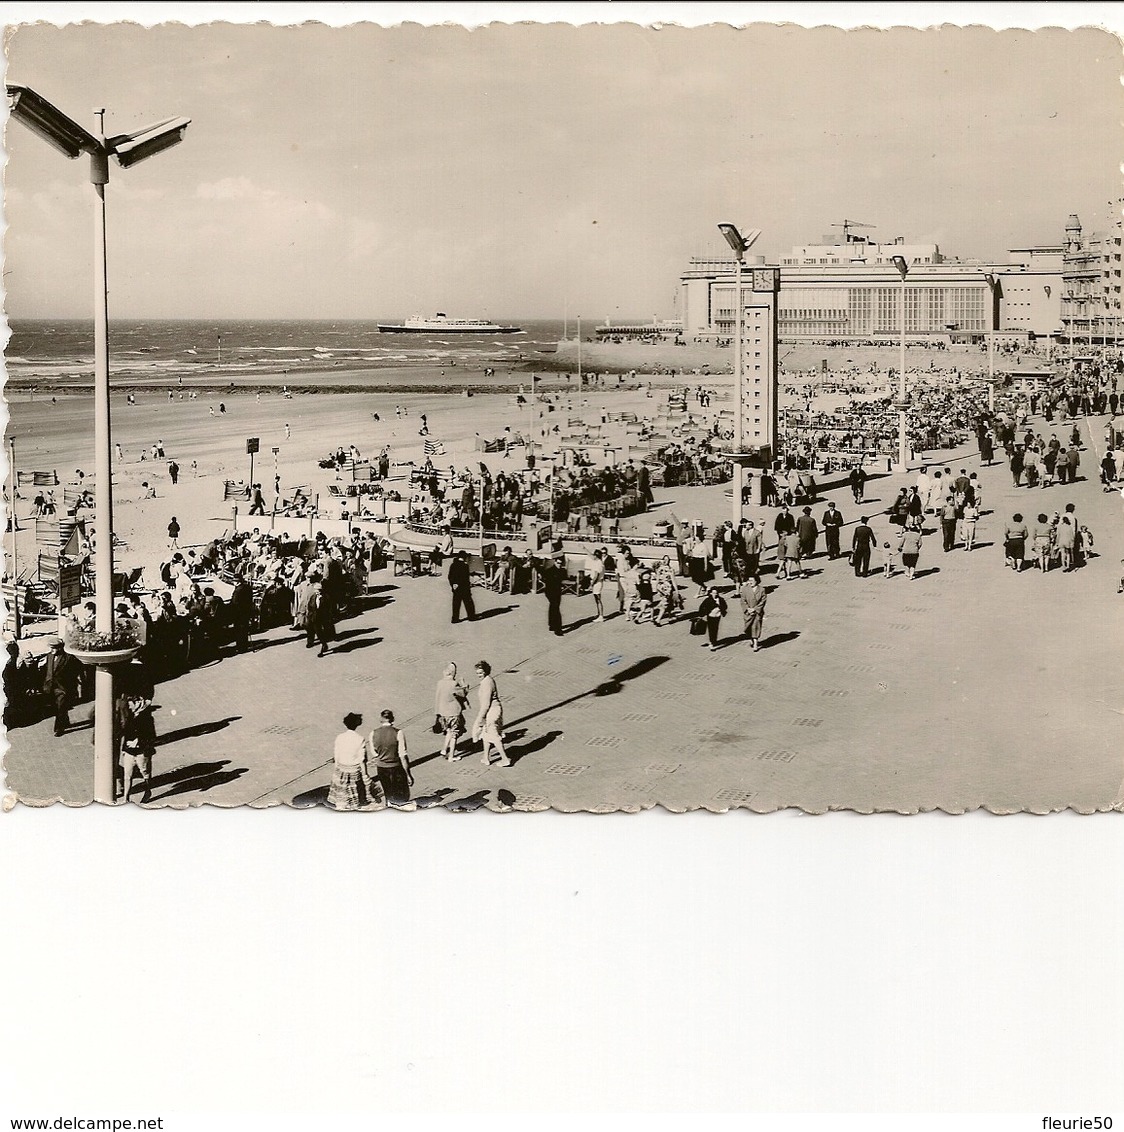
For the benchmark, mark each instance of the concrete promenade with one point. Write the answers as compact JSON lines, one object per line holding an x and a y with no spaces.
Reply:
{"x":968,"y":687}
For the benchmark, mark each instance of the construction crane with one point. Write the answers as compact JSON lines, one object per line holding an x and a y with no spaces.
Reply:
{"x":847,"y":225}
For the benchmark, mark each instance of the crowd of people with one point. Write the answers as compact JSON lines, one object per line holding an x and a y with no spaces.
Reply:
{"x":309,"y":583}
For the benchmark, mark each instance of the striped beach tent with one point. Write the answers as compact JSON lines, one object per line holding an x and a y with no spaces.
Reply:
{"x":37,"y":479}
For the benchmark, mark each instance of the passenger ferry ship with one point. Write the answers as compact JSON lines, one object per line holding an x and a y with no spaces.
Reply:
{"x":443,"y":324}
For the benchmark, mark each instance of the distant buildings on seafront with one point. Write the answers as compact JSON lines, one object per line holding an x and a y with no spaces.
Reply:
{"x":847,"y":289}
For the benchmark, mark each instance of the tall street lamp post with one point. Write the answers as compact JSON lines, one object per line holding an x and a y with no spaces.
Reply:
{"x":903,"y":439}
{"x":71,"y":139}
{"x":740,"y":245}
{"x":996,"y":289}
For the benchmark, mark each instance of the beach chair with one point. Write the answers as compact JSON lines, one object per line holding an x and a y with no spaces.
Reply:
{"x":406,"y":561}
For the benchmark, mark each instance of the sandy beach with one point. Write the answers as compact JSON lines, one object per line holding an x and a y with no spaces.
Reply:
{"x":59,"y":435}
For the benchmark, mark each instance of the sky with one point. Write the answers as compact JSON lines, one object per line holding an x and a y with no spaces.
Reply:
{"x":534,"y":170}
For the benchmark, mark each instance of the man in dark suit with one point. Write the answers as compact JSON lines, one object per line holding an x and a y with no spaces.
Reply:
{"x":60,"y":682}
{"x":460,"y":582}
{"x":831,"y":522}
{"x":552,"y":577}
{"x":861,"y":542}
{"x":241,"y":612}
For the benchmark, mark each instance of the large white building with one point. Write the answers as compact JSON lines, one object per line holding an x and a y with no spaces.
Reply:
{"x":848,"y":289}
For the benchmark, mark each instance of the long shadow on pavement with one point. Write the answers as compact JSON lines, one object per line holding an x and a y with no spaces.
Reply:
{"x":517,"y":752}
{"x":194,"y":777}
{"x":352,"y":646}
{"x":607,"y":688}
{"x":780,"y":639}
{"x":195,"y":729}
{"x":499,"y":611}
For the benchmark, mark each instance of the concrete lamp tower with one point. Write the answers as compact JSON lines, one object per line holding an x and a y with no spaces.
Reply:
{"x":995,"y":286}
{"x":903,"y":403}
{"x":69,"y":138}
{"x":740,"y":245}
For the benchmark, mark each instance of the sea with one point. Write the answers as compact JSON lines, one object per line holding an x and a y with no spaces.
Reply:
{"x":152,"y":350}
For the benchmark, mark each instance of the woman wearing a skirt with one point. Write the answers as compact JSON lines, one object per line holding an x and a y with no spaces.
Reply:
{"x":352,"y":788}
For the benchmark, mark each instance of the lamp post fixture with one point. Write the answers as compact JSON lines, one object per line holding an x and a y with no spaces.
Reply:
{"x":996,"y":289}
{"x":740,"y":245}
{"x":71,"y":139}
{"x":903,"y":440}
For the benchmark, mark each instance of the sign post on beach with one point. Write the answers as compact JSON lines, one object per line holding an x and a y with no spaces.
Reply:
{"x":252,"y":445}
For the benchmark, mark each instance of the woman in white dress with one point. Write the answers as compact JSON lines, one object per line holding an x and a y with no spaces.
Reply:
{"x":488,"y":727}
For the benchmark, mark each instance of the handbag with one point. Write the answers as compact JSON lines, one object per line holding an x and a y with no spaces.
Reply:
{"x":698,"y":626}
{"x":437,"y":728}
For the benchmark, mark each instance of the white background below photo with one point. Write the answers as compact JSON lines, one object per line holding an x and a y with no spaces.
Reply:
{"x":235,"y":965}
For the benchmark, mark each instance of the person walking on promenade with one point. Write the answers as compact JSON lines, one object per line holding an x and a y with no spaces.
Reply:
{"x":699,"y":564}
{"x":351,"y":787}
{"x":320,"y":623}
{"x":1014,"y":543}
{"x":1061,"y":465}
{"x":909,"y":546}
{"x":60,"y":682}
{"x":597,"y":582}
{"x":1108,"y":469}
{"x":857,"y":480}
{"x":1041,"y":543}
{"x":449,"y":703}
{"x":887,"y":561}
{"x":1067,"y":542}
{"x":627,"y":570}
{"x":552,"y":578}
{"x":173,"y":534}
{"x":754,"y":543}
{"x":726,"y":539}
{"x":948,"y":523}
{"x":302,"y":591}
{"x":488,"y":728}
{"x":789,"y":554}
{"x":861,"y":543}
{"x":1017,"y":461}
{"x":899,"y":509}
{"x":753,"y":598}
{"x":807,"y":532}
{"x":138,"y":741}
{"x":460,"y":583}
{"x":969,"y":518}
{"x":831,"y":522}
{"x":386,"y":745}
{"x":1073,"y":462}
{"x":783,"y":524}
{"x":712,"y":609}
{"x":1031,"y":463}
{"x":915,"y":509}
{"x":257,"y":507}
